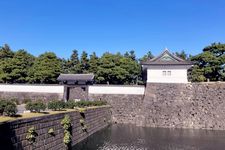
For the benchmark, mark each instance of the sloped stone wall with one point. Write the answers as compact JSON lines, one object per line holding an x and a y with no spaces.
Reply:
{"x":194,"y":105}
{"x":124,"y":108}
{"x":13,"y":134}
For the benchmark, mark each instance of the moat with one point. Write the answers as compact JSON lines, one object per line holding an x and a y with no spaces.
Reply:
{"x":129,"y":137}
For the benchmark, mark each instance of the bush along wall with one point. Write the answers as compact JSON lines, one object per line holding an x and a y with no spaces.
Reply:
{"x":54,"y":105}
{"x":8,"y":108}
{"x":58,"y":131}
{"x":57,"y":105}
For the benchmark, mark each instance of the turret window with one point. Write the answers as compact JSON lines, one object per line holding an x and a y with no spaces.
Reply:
{"x":166,"y":73}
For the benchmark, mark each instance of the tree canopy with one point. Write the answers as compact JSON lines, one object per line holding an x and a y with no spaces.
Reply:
{"x":46,"y":69}
{"x":210,"y":64}
{"x":21,"y":67}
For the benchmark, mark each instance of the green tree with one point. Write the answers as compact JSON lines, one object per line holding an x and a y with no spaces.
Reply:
{"x":74,"y":63}
{"x":210,"y":63}
{"x":93,"y":63}
{"x":105,"y":72}
{"x":6,"y":54}
{"x":130,"y":54}
{"x":19,"y":66}
{"x":65,"y":65}
{"x":84,"y":62}
{"x":147,"y":56}
{"x":182,"y":55}
{"x":132,"y":69}
{"x":46,"y":69}
{"x":117,"y":69}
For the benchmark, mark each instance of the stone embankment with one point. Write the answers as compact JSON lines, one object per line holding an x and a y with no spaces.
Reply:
{"x":13,"y":134}
{"x":192,"y":105}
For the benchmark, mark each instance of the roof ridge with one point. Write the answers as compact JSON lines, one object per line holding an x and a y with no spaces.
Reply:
{"x":175,"y":59}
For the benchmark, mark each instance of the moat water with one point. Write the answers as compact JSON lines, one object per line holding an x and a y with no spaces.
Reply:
{"x":129,"y":137}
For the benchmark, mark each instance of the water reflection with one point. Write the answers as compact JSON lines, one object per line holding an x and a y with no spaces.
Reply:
{"x":129,"y":137}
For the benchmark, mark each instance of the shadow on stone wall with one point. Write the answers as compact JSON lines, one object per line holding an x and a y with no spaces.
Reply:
{"x":8,"y":137}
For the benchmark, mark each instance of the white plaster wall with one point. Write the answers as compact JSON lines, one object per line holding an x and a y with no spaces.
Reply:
{"x":177,"y":76}
{"x":132,"y":90}
{"x":32,"y":88}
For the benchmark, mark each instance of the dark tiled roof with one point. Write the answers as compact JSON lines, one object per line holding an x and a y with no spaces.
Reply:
{"x":76,"y":77}
{"x":174,"y":60}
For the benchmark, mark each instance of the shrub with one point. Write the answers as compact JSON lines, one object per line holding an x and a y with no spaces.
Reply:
{"x":83,"y":103}
{"x":36,"y":106}
{"x":16,"y":101}
{"x":66,"y":122}
{"x":84,"y":128}
{"x":31,"y":135}
{"x":2,"y":106}
{"x":25,"y":101}
{"x":67,"y":126}
{"x":51,"y":131}
{"x":10,"y":108}
{"x":99,"y":103}
{"x":70,"y":104}
{"x":90,"y":103}
{"x":82,"y":122}
{"x":56,"y":105}
{"x":67,"y":138}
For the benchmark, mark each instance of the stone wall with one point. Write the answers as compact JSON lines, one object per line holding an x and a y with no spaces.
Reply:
{"x":31,"y":91}
{"x":192,"y":105}
{"x":78,"y":92}
{"x":125,"y":108}
{"x":21,"y":96}
{"x":13,"y":134}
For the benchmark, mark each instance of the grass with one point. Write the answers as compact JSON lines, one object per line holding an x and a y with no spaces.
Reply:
{"x":31,"y":115}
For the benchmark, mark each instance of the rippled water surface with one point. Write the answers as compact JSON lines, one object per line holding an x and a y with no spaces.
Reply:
{"x":128,"y":137}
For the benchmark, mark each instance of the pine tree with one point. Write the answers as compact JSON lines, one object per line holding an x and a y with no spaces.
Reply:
{"x":46,"y":69}
{"x":74,"y":63}
{"x":84,"y":62}
{"x":19,"y":66}
{"x":147,"y":56}
{"x":6,"y":54}
{"x":93,"y":63}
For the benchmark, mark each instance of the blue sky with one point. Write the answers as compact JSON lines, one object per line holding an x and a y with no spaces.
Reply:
{"x":111,"y":25}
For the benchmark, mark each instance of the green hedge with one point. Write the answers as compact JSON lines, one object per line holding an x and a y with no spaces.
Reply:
{"x":71,"y":104}
{"x":36,"y":106}
{"x":8,"y":108}
{"x":56,"y":105}
{"x":59,"y":105}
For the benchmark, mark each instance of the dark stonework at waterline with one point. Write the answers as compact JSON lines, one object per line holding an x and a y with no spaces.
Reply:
{"x":13,"y":133}
{"x":130,"y":137}
{"x":193,"y":105}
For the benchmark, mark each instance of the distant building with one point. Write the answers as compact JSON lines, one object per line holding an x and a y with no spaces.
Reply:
{"x":166,"y":68}
{"x":76,"y":85}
